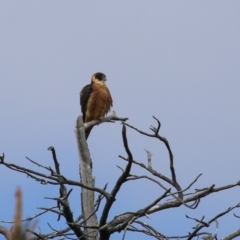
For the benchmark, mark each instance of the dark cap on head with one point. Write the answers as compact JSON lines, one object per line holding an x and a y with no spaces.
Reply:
{"x":100,"y":76}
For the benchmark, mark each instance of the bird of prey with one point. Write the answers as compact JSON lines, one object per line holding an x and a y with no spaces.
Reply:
{"x":95,"y":100}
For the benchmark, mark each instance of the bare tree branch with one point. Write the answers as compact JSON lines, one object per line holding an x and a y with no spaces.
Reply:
{"x":103,"y":233}
{"x":57,"y":180}
{"x":165,"y":141}
{"x":110,"y":118}
{"x":149,"y":230}
{"x":32,"y":217}
{"x":63,"y":200}
{"x":232,"y":235}
{"x":207,"y":224}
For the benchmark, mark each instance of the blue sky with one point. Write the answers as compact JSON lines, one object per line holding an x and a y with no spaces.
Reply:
{"x":176,"y":60}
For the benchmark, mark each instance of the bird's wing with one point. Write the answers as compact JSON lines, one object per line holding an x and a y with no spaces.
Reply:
{"x":84,"y":97}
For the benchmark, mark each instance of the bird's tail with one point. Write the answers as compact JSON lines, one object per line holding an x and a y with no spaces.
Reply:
{"x":87,"y":132}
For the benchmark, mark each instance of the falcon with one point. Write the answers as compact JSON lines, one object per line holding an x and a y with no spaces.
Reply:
{"x":95,"y":100}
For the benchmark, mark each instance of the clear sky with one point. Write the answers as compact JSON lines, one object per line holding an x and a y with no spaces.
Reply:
{"x":176,"y":60}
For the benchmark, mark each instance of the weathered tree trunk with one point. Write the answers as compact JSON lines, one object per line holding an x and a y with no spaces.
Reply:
{"x":87,"y":196}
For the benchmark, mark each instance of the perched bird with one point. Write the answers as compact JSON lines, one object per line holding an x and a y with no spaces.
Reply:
{"x":95,"y":100}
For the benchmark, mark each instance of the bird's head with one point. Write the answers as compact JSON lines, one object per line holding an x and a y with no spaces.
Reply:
{"x":99,"y":77}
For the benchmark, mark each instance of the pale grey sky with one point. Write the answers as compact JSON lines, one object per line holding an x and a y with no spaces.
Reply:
{"x":176,"y":60}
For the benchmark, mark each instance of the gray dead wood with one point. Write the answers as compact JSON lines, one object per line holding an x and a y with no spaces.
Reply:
{"x":87,"y":196}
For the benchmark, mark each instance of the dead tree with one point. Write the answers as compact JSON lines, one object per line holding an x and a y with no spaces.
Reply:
{"x":87,"y":226}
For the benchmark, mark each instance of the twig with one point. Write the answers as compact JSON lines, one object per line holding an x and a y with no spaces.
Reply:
{"x":30,"y":218}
